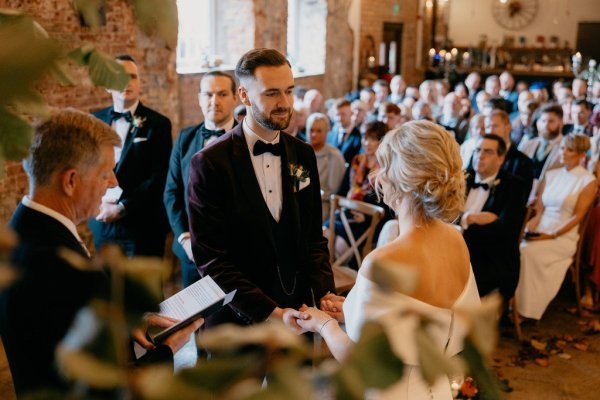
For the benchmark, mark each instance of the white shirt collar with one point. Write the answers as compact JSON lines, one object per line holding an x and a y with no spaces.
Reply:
{"x":27,"y":202}
{"x":252,"y":137}
{"x":487,"y":180}
{"x":227,"y":126}
{"x":130,"y":109}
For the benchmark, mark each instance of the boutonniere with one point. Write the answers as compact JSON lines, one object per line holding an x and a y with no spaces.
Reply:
{"x":138,"y":121}
{"x":300,"y":177}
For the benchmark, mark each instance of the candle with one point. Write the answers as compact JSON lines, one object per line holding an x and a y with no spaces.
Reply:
{"x":454,"y":52}
{"x":448,"y":57}
{"x":382,"y":54}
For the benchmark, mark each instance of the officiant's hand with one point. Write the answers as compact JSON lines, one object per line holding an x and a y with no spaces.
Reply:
{"x":175,"y":341}
{"x":333,"y":305}
{"x":109,"y":212}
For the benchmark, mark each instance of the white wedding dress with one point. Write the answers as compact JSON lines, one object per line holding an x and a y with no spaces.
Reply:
{"x":367,"y":302}
{"x":544,"y":263}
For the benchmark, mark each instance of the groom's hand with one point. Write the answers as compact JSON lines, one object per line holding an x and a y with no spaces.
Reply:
{"x":290,"y":318}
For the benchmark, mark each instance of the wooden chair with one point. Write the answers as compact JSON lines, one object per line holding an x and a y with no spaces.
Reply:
{"x":513,"y":304}
{"x":576,"y":263}
{"x":344,"y":276}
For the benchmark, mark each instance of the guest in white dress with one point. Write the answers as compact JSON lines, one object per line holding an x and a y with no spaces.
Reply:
{"x":420,"y":177}
{"x":476,"y":130}
{"x":551,"y":236}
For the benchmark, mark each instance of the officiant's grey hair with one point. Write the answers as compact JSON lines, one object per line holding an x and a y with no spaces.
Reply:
{"x":68,"y":139}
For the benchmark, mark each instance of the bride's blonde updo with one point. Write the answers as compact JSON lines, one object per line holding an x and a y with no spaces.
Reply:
{"x":420,"y":163}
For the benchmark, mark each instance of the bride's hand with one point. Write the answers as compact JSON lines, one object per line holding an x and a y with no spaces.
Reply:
{"x":316,"y":320}
{"x":333,"y":305}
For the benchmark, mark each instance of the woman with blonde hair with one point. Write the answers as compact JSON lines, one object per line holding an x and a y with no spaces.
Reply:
{"x":566,"y":195}
{"x":420,"y":178}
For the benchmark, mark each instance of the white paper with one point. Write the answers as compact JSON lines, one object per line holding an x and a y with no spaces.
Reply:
{"x":192,"y":299}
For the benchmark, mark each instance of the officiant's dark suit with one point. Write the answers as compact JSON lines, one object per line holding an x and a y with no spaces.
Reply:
{"x":217,"y":99}
{"x":236,"y":239}
{"x":494,"y":247}
{"x":141,"y":170}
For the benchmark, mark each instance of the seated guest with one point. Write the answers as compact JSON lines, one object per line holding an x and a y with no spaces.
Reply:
{"x":313,"y":100}
{"x":460,"y":89}
{"x":70,"y":166}
{"x":413,"y":161}
{"x":566,"y":103}
{"x":466,"y":110}
{"x":421,"y":110}
{"x":492,"y":220}
{"x":359,"y":114}
{"x":566,"y":194}
{"x":580,"y":115}
{"x":330,"y":161}
{"x":382,"y":90}
{"x":523,"y":125}
{"x":579,"y":88}
{"x":428,"y":94}
{"x":296,"y":128}
{"x":492,"y":86}
{"x":344,"y":135}
{"x":522,"y":86}
{"x":524,"y":98}
{"x":493,"y":103}
{"x":515,"y":162}
{"x":451,"y":119}
{"x":412,"y":92}
{"x":476,"y":130}
{"x":360,"y":186}
{"x":540,"y":93}
{"x":367,"y":96}
{"x":544,"y":150}
{"x":397,"y":89}
{"x":472,"y":82}
{"x":507,"y":92}
{"x":480,"y":99}
{"x":390,"y":114}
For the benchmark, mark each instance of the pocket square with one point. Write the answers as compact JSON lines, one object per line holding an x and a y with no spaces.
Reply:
{"x":304,"y":184}
{"x":139,"y":139}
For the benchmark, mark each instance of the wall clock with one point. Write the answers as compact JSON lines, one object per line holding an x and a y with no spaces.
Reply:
{"x":514,"y":14}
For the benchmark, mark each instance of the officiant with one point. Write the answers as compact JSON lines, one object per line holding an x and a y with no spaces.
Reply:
{"x":255,"y":204}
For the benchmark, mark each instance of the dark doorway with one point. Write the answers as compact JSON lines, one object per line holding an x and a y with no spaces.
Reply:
{"x":392,"y":37}
{"x":587,"y":40}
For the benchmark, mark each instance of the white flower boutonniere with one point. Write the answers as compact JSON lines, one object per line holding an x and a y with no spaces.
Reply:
{"x":493,"y":185}
{"x":300,"y":177}
{"x":137,"y":121}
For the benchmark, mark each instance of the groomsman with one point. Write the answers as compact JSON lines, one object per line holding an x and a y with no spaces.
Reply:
{"x":344,"y":135}
{"x":132,"y":215}
{"x":255,"y":204}
{"x":217,"y":98}
{"x":494,"y":212}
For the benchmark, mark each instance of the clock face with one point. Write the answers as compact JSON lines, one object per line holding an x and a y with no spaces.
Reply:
{"x":514,"y":14}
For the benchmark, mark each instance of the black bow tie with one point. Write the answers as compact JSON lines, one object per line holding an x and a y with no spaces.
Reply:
{"x":115,"y":116}
{"x":484,"y":186}
{"x":261,"y":147}
{"x":207,"y":133}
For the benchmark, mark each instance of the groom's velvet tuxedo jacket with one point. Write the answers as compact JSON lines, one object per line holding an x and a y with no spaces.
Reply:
{"x":494,"y":248}
{"x":231,"y":227}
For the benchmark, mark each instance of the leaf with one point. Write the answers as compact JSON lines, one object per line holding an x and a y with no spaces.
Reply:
{"x":542,"y":362}
{"x":60,"y":72}
{"x":158,"y":17}
{"x":285,"y":382}
{"x":371,"y":364}
{"x":81,"y":55}
{"x":394,"y":277}
{"x":581,"y":346}
{"x":15,"y":136}
{"x":483,"y":322}
{"x":540,"y":346}
{"x":90,"y":11}
{"x":104,"y":70}
{"x":478,"y":367}
{"x":565,"y":356}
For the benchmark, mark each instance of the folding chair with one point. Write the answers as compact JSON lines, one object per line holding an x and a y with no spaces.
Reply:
{"x":344,"y":276}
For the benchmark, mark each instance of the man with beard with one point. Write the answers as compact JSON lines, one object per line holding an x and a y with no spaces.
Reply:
{"x":255,"y":205}
{"x":217,"y":98}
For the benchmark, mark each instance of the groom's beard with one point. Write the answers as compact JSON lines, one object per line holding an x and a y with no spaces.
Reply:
{"x":271,"y":123}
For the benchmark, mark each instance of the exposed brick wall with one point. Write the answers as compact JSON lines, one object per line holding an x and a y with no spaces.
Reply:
{"x":374,"y":14}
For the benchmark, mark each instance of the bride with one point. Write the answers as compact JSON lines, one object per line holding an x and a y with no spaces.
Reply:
{"x":421,"y":179}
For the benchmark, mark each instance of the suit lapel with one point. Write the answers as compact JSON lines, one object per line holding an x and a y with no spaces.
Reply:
{"x":131,"y":134}
{"x":244,"y":169}
{"x":288,"y":157}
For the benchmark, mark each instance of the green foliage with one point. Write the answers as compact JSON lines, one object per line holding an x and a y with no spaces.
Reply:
{"x":90,"y":11}
{"x":488,"y":383}
{"x":103,"y":69}
{"x":162,"y":23}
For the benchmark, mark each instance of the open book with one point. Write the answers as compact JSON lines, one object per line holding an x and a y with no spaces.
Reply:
{"x":198,"y":300}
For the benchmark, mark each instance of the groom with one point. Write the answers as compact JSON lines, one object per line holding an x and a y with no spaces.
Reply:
{"x":255,"y":204}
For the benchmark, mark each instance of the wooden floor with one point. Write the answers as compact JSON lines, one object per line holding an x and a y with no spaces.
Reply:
{"x":577,"y":378}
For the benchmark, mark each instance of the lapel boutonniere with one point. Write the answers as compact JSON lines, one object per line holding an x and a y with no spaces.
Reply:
{"x":299,"y":176}
{"x":493,"y":185}
{"x":138,"y":121}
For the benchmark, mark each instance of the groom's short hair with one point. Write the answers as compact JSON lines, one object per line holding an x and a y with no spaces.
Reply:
{"x":255,"y":58}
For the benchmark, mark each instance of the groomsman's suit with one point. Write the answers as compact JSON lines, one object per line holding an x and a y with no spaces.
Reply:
{"x":141,"y":172}
{"x":494,"y":248}
{"x":237,"y":241}
{"x":190,"y":141}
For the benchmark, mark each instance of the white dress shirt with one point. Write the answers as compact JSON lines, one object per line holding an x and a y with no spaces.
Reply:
{"x":121,"y":126}
{"x":267,"y":169}
{"x":27,"y":202}
{"x":227,"y":126}
{"x":476,"y":200}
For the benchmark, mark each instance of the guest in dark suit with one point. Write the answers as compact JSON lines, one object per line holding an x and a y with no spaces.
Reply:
{"x":70,"y":166}
{"x":494,"y":212}
{"x":217,"y":99}
{"x":344,"y":135}
{"x":515,"y":162}
{"x":255,"y":204}
{"x":508,"y":92}
{"x":133,"y":215}
{"x":581,"y":111}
